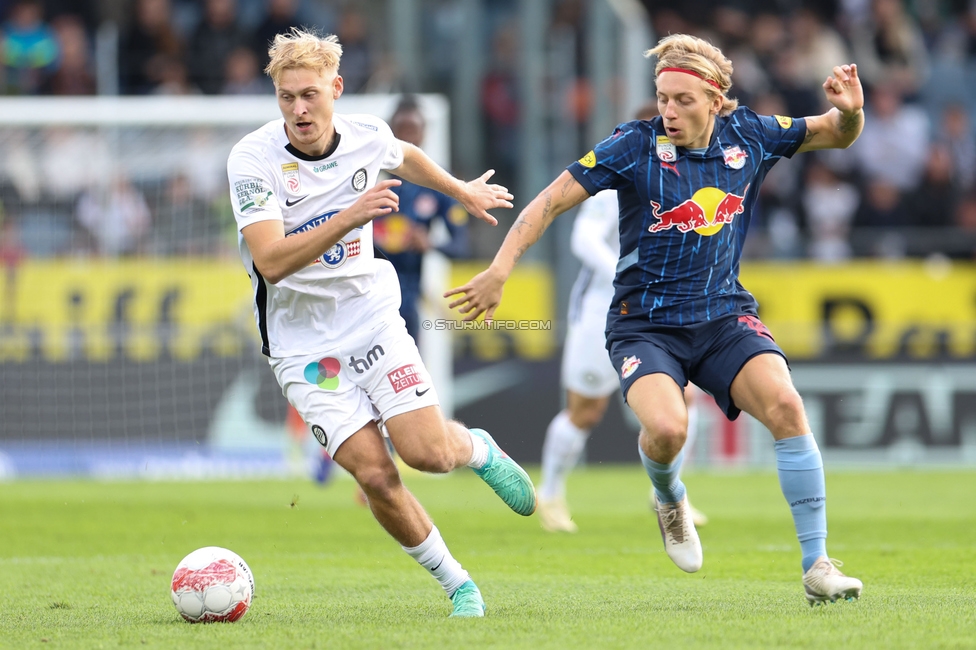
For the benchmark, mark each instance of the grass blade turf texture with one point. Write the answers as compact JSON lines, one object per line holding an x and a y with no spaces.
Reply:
{"x":87,"y":564}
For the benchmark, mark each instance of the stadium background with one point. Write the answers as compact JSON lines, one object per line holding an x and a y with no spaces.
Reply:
{"x":127,"y":345}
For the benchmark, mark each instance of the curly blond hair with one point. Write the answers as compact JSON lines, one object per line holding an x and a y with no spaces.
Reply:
{"x":699,"y":56}
{"x":302,"y":49}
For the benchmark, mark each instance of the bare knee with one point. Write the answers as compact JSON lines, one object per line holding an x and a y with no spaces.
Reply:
{"x":784,"y":414}
{"x":585,"y":412}
{"x":379,"y":483}
{"x":664,"y":439}
{"x":587,"y":416}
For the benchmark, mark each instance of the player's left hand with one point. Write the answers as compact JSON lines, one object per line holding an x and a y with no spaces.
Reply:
{"x":481,"y":295}
{"x":481,"y":197}
{"x":843,"y":89}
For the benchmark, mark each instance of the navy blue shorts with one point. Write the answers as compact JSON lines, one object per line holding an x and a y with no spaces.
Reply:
{"x":709,"y":354}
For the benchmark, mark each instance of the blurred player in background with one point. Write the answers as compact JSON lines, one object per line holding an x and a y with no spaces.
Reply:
{"x":687,"y":183}
{"x":588,"y":375}
{"x":404,"y":236}
{"x":304,"y":190}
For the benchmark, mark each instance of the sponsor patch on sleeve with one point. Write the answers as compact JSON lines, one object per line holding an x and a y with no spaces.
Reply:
{"x":251,"y":193}
{"x":589,"y":160}
{"x":785,"y":122}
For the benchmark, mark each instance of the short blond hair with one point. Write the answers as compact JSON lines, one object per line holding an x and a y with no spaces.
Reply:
{"x":699,"y":56}
{"x":302,"y":49}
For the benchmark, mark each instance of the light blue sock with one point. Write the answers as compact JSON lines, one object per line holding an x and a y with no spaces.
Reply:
{"x":801,"y":478}
{"x":665,"y":477}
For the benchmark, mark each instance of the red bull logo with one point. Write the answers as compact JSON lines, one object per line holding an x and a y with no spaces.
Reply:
{"x":705,"y":212}
{"x":735,"y":157}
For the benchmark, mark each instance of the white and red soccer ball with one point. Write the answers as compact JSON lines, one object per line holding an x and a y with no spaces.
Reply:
{"x":212,"y":584}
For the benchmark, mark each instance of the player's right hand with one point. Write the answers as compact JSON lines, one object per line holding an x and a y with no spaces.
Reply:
{"x":377,"y":201}
{"x":481,"y":295}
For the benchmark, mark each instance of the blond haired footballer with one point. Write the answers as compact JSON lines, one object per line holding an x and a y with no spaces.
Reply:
{"x":687,"y":183}
{"x":304,"y":193}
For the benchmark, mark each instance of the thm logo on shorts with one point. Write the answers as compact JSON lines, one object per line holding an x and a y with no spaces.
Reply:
{"x":372,"y":357}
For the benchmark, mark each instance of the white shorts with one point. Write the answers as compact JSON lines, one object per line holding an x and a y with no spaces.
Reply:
{"x":369,"y":377}
{"x":587,"y":369}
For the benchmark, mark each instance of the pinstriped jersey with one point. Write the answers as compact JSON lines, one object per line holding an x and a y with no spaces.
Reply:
{"x":684,"y":215}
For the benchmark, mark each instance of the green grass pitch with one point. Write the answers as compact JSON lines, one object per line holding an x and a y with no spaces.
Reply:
{"x":87,"y":564}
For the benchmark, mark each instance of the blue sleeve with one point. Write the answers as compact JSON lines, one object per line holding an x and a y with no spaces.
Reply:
{"x":455,"y":217}
{"x":781,"y":136}
{"x":610,"y":164}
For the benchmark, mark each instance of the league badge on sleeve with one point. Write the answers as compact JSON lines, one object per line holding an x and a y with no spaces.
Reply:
{"x":785,"y":122}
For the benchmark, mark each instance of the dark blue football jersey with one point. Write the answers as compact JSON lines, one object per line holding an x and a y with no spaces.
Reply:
{"x":684,"y":216}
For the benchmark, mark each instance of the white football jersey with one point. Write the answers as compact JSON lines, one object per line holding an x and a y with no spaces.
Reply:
{"x":596,"y":243}
{"x":346,"y":289}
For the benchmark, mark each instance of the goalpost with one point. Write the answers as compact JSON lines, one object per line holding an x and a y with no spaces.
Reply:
{"x":127,"y":341}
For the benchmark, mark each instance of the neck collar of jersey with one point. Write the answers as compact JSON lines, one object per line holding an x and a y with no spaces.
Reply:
{"x":293,"y":150}
{"x":714,"y":147}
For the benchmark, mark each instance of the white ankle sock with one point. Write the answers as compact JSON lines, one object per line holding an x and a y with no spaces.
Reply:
{"x":479,"y":451}
{"x":432,"y":554}
{"x":561,"y":451}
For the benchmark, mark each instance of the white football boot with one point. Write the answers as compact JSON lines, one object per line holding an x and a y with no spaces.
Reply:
{"x":678,"y":532}
{"x":824,"y":582}
{"x":554,"y":516}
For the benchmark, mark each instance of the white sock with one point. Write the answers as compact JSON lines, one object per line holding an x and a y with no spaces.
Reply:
{"x":479,"y":451}
{"x":561,"y":451}
{"x":432,"y":554}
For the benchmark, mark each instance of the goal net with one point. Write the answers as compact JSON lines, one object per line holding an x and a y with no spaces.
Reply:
{"x":127,"y":341}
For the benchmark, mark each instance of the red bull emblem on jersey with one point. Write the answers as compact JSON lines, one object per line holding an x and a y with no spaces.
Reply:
{"x":735,"y":157}
{"x":705,"y":212}
{"x":629,"y":366}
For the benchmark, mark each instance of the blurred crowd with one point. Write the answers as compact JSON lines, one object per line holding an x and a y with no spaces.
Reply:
{"x":906,"y":188}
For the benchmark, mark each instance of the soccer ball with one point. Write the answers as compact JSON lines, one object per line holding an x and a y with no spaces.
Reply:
{"x":212,"y":584}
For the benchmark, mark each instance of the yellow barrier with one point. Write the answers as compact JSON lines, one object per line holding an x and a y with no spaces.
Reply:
{"x":143,"y":309}
{"x":89,"y":309}
{"x":883,"y":310}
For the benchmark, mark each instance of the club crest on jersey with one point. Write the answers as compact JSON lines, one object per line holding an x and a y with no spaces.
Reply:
{"x":629,"y":366}
{"x":359,"y":180}
{"x":338,"y":254}
{"x":735,"y":157}
{"x":666,"y":151}
{"x":292,"y":177}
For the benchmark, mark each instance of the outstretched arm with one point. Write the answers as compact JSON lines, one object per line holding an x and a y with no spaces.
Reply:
{"x":476,"y":196}
{"x":839,"y":127}
{"x":483,"y":293}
